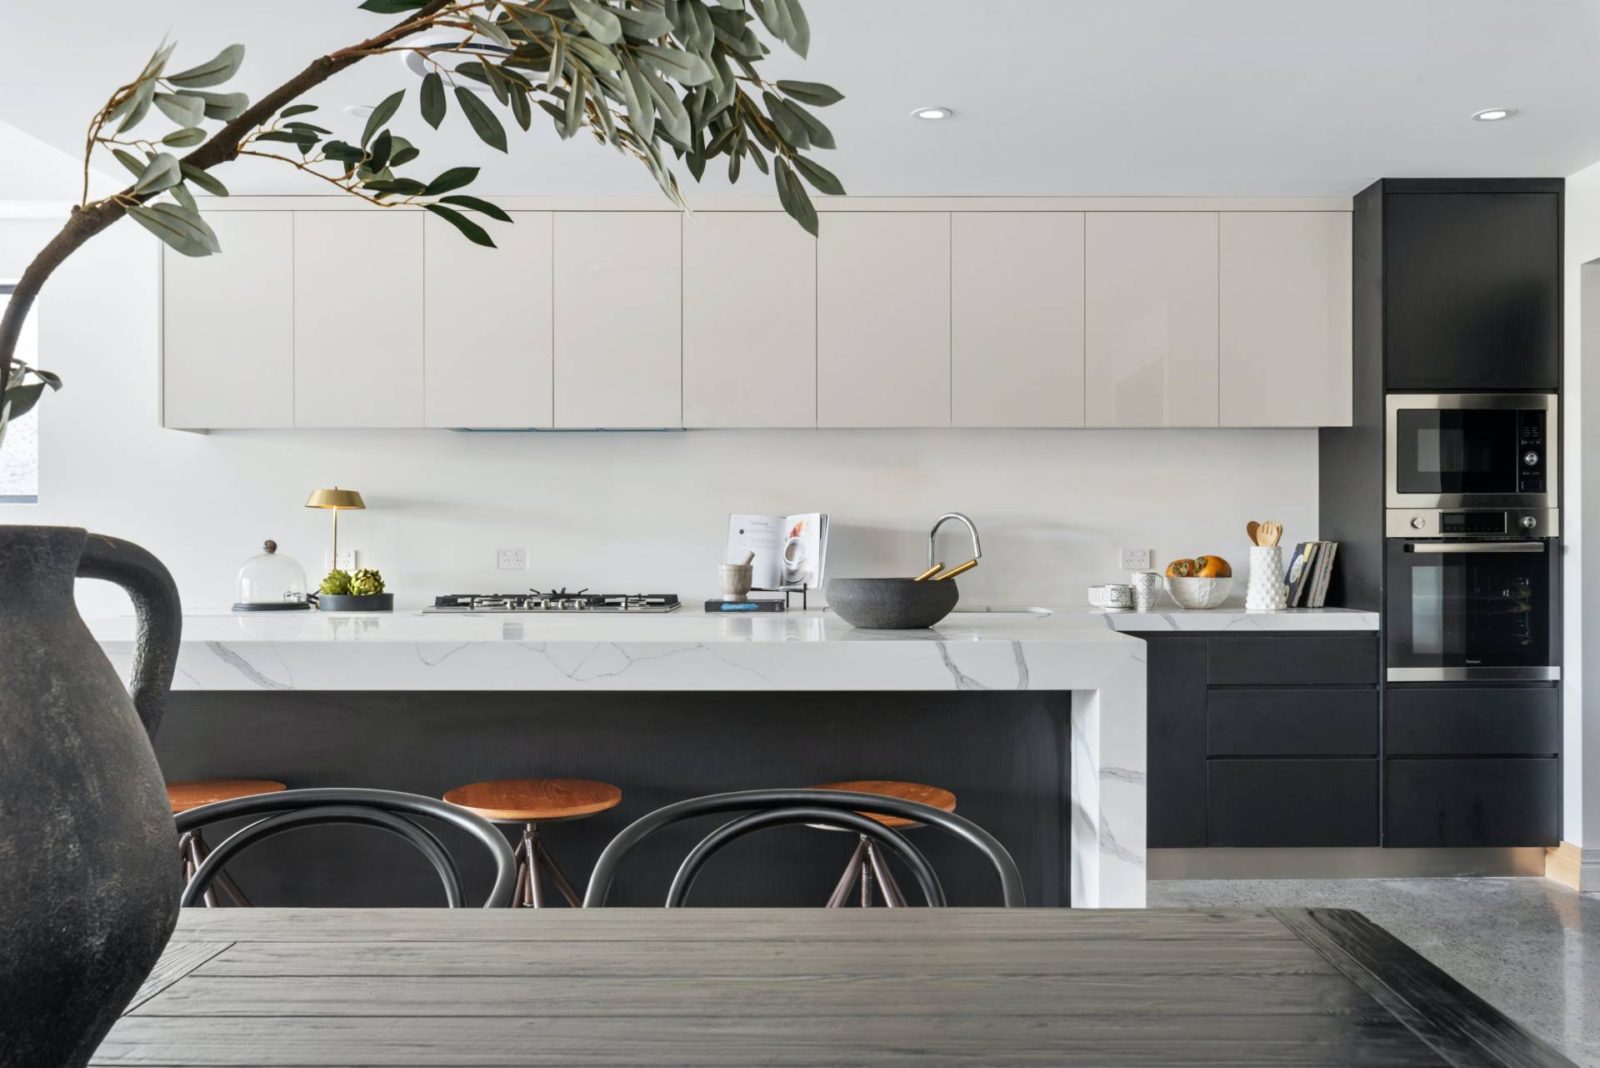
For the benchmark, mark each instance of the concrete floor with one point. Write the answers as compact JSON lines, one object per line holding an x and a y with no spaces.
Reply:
{"x":1530,"y":947}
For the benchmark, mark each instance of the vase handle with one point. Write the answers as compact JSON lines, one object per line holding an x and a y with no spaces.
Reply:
{"x":158,"y":611}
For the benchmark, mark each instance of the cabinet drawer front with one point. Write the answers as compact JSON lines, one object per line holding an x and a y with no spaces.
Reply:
{"x":1293,"y":660}
{"x":1481,"y":802}
{"x":1473,"y":721}
{"x":1292,"y":723}
{"x":1292,"y":802}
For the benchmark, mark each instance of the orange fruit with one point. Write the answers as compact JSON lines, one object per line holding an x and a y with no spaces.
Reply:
{"x":1181,"y":569}
{"x":1212,"y":567}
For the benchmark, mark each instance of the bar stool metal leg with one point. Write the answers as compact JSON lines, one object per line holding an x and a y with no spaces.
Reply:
{"x":542,"y":853}
{"x":886,"y":884}
{"x":848,"y":880}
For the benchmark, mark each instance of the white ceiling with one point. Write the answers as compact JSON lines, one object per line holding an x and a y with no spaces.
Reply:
{"x":1225,"y":97}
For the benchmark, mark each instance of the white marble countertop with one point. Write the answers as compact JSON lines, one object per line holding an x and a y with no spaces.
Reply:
{"x":690,"y":626}
{"x":1237,"y":619}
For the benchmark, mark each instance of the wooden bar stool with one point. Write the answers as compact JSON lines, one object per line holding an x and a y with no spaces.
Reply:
{"x":531,"y":802}
{"x":867,"y":863}
{"x":192,"y":848}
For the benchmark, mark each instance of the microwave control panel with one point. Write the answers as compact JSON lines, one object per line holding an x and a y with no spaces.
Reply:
{"x":1530,"y":451}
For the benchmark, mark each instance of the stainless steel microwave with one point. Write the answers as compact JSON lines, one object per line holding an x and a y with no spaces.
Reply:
{"x":1471,"y":450}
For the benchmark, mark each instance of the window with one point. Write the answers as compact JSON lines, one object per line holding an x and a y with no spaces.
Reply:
{"x":19,"y":454}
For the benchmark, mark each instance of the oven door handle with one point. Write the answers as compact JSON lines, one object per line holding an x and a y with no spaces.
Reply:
{"x":1431,"y":547}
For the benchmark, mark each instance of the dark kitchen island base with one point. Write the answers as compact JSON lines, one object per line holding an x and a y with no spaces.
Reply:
{"x":1005,"y":755}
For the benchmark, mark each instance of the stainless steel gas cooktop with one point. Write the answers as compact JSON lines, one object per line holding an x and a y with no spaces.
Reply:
{"x":554,"y":601}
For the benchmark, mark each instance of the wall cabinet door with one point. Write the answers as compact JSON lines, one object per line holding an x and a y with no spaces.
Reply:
{"x":1151,"y":318}
{"x":228,"y":327}
{"x":749,"y":321}
{"x":1016,"y":319}
{"x":883,"y":320}
{"x":618,"y":335}
{"x":1285,"y":318}
{"x":358,"y":295}
{"x":488,"y":325}
{"x":1472,"y":291}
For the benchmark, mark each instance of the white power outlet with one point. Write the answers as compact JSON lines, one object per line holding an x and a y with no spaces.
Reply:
{"x":512,"y":559}
{"x":346,"y":560}
{"x":1135,"y":559}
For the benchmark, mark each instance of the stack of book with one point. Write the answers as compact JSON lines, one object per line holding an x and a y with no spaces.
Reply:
{"x":1309,"y":570}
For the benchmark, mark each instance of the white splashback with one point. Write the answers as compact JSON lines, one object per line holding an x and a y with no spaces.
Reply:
{"x":625,"y":511}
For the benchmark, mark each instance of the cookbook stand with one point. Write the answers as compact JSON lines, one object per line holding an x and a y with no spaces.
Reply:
{"x":788,"y":594}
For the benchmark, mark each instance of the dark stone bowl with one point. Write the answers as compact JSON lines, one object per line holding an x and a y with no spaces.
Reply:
{"x":891,"y":603}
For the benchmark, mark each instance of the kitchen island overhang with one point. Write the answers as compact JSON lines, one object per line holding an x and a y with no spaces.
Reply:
{"x":1100,"y":671}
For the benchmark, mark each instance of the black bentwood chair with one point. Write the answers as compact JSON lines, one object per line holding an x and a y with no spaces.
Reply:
{"x":836,"y":809}
{"x":387,"y":810}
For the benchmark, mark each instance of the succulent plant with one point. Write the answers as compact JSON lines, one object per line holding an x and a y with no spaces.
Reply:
{"x":367,"y":582}
{"x":335,"y":584}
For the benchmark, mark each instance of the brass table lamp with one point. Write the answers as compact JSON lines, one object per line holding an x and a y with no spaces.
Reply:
{"x":336,"y":500}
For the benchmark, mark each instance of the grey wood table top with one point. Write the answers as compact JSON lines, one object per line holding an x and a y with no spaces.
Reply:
{"x":321,"y":988}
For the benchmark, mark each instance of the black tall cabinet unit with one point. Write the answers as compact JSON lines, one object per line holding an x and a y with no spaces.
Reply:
{"x":1457,"y":289}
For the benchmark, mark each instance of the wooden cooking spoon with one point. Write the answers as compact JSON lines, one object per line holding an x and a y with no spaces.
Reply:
{"x":1251,"y":529}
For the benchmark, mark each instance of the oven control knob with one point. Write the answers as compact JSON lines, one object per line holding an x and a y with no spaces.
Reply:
{"x":1530,"y":458}
{"x":1528,"y":522}
{"x":1417,"y":522}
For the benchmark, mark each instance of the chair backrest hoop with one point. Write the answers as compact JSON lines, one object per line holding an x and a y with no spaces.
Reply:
{"x":894,"y":841}
{"x":605,"y":868}
{"x":393,"y":803}
{"x":424,"y":841}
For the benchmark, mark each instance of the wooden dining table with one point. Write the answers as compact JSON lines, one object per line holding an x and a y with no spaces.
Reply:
{"x":333,"y":988}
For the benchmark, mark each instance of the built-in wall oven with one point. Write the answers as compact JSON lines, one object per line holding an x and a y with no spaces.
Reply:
{"x":1472,"y":594}
{"x":1471,"y":450}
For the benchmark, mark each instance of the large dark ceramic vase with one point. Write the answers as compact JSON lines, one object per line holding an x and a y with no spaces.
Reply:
{"x":89,"y":867}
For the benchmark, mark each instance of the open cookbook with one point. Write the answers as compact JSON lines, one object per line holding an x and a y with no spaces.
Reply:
{"x":789,"y":549}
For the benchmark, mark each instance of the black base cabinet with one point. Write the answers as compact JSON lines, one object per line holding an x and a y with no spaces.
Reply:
{"x":1292,"y":802}
{"x":1278,"y":740}
{"x":1472,"y":802}
{"x":1263,"y":740}
{"x":1472,"y":765}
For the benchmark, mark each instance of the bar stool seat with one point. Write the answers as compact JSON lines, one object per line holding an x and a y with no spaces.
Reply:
{"x":866,"y":863}
{"x":531,"y":802}
{"x":192,"y":848}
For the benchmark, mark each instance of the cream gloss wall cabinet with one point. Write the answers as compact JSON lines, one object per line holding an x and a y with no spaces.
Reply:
{"x":883,"y":320}
{"x":358,"y":319}
{"x":993,"y":313}
{"x":618,"y":333}
{"x":749,"y":321}
{"x":230,"y":362}
{"x":1016,"y":319}
{"x":489,"y":326}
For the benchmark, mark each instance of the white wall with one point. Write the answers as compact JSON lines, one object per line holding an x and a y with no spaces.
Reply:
{"x":624,"y":511}
{"x":1580,"y":511}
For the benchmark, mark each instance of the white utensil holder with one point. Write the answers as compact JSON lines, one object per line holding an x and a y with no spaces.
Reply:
{"x":1266,"y":591}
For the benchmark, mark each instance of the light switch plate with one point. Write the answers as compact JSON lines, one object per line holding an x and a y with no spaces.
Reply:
{"x":1135,"y":560}
{"x":512,"y":559}
{"x":346,"y":560}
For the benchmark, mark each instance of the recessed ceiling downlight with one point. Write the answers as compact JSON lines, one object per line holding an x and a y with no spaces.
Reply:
{"x":424,"y":57}
{"x":931,"y":114}
{"x":1493,"y":114}
{"x":359,"y":111}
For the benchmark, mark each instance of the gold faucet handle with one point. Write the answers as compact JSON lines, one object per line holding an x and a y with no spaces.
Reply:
{"x":928,"y":574}
{"x":959,"y":569}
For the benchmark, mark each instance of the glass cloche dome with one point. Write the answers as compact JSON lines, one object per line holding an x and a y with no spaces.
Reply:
{"x":271,"y":583}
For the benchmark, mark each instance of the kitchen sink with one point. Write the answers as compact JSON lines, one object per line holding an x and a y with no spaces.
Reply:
{"x":1002,"y":610}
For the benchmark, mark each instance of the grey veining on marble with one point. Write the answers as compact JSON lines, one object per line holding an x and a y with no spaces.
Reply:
{"x":1528,"y":946}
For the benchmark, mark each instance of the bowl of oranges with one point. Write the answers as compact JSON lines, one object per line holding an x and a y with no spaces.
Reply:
{"x":1203,"y":582}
